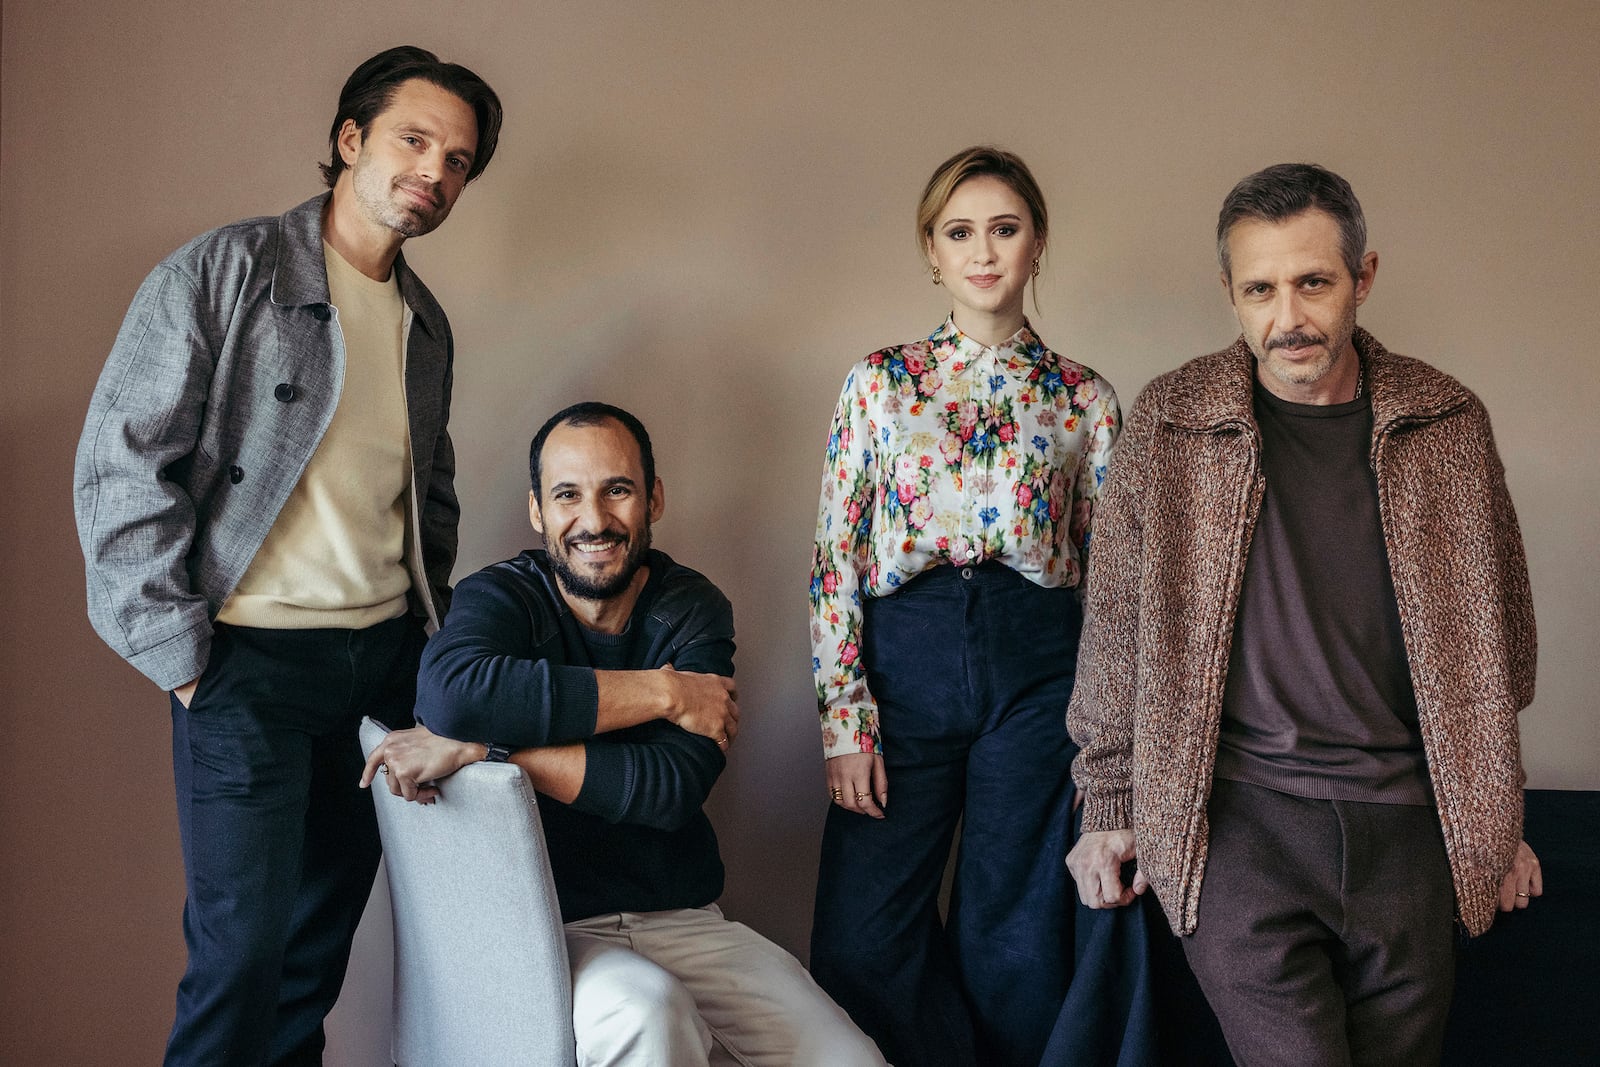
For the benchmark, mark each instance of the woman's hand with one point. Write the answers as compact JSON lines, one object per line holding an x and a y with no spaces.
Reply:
{"x":857,"y":782}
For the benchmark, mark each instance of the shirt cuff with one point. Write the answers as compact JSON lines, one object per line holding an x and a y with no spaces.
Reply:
{"x":850,"y":730}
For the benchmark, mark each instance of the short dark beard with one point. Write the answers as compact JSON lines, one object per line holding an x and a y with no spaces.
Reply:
{"x":579,"y":587}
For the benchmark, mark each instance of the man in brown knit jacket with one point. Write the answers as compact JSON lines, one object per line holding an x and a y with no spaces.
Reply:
{"x":1309,"y":636}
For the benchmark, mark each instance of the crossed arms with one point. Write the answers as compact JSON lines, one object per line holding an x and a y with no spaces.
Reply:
{"x":638,"y":746}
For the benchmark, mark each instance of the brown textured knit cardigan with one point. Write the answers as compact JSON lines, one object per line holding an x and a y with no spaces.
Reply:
{"x":1171,"y":535}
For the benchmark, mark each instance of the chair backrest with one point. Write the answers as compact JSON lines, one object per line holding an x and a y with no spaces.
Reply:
{"x":480,"y":960}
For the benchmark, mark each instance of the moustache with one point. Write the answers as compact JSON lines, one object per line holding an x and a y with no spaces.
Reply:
{"x":612,"y":538}
{"x":1295,"y":340}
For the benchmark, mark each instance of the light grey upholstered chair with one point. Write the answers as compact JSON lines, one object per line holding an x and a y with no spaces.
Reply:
{"x":480,"y":961}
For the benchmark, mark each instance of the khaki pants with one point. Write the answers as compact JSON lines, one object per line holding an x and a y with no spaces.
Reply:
{"x":689,"y":987}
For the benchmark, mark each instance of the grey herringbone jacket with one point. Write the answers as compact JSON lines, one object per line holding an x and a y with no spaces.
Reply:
{"x":220,"y":385}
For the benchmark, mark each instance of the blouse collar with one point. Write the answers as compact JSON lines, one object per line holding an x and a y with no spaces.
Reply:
{"x":1022,"y":353}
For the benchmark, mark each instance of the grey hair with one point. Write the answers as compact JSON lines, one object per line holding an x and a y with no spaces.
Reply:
{"x":1285,"y":190}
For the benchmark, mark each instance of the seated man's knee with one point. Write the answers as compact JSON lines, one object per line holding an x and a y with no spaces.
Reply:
{"x":631,"y":1009}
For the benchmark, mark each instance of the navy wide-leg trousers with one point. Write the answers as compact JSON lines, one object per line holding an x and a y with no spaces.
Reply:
{"x":972,"y":669}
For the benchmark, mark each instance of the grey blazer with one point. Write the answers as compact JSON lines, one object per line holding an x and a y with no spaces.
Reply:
{"x":219,"y":387}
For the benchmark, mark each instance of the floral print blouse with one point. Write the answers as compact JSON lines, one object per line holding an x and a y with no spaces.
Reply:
{"x":945,"y":451}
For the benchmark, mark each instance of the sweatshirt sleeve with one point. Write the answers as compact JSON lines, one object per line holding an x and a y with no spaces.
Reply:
{"x":482,"y":680}
{"x":656,"y":774}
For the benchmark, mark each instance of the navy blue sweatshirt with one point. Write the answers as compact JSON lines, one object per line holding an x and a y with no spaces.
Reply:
{"x":513,"y":666}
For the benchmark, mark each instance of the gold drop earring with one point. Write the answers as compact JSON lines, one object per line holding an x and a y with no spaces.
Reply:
{"x":1036,"y":268}
{"x":938,"y":279}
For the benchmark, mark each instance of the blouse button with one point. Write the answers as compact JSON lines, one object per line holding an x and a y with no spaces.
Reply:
{"x":966,"y":572}
{"x":284,"y":392}
{"x":236,"y":474}
{"x":320,"y":312}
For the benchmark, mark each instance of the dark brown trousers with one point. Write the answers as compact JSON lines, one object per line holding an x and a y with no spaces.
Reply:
{"x":1325,"y":932}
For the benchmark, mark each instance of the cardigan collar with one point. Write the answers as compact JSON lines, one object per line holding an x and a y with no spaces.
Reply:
{"x":1216,"y":391}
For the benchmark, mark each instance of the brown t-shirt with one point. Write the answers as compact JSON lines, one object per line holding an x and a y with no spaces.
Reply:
{"x":1319,"y":701}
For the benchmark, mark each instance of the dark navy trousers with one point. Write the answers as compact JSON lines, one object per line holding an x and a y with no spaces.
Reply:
{"x":280,"y":845}
{"x":972,"y":669}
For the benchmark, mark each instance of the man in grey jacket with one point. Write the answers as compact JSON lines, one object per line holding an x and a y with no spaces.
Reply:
{"x":264,"y":497}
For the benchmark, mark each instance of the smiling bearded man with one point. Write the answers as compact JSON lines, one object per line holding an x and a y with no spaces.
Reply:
{"x":603,"y":668}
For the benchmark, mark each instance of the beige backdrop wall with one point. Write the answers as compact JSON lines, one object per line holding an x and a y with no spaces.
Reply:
{"x":702,"y":212}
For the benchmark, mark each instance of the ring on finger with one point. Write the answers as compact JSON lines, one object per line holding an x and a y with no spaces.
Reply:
{"x":383,"y":768}
{"x":836,"y":793}
{"x":862,"y":796}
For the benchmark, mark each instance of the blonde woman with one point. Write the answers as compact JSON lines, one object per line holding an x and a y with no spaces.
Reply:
{"x":958,"y":491}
